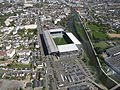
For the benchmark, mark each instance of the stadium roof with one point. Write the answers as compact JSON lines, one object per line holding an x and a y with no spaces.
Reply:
{"x":56,"y":30}
{"x":50,"y":42}
{"x":67,"y":48}
{"x":73,"y":38}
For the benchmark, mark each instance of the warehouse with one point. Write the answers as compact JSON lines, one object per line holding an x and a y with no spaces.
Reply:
{"x":113,"y":51}
{"x":61,"y":43}
{"x":114,"y":58}
{"x":114,"y":63}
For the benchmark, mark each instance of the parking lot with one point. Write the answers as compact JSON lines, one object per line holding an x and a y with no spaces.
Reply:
{"x":68,"y":72}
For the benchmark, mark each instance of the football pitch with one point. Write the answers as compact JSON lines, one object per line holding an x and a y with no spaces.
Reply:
{"x":60,"y":41}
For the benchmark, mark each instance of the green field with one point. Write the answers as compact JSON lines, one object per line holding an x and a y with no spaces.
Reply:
{"x":56,"y":36}
{"x":18,"y":65}
{"x":3,"y":59}
{"x":60,"y":41}
{"x":102,"y":45}
{"x":97,"y":32}
{"x":100,"y":35}
{"x":79,"y":31}
{"x":94,"y":27}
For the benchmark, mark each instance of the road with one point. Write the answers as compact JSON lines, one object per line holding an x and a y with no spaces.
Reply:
{"x":18,"y":71}
{"x":40,"y":31}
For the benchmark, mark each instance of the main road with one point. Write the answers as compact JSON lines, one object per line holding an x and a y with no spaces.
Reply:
{"x":40,"y":31}
{"x":42,"y":54}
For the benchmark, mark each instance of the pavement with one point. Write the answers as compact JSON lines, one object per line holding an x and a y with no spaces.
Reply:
{"x":10,"y":84}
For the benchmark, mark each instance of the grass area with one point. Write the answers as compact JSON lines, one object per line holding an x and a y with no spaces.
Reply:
{"x":64,"y":22}
{"x":43,"y":88}
{"x":5,"y":16}
{"x":18,"y":65}
{"x":86,"y":59}
{"x":12,"y":23}
{"x":21,"y":32}
{"x":79,"y":31}
{"x":103,"y":45}
{"x":93,"y":27}
{"x":3,"y":59}
{"x":56,"y":36}
{"x":60,"y":41}
{"x":98,"y":32}
{"x":31,"y":33}
{"x":91,"y":68}
{"x":100,"y":35}
{"x":116,"y":78}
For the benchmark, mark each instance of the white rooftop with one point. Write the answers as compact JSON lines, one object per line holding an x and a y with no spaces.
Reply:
{"x":50,"y":42}
{"x":73,"y":38}
{"x":56,"y":30}
{"x":67,"y":48}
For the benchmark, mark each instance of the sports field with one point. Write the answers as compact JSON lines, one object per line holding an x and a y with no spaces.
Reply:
{"x":60,"y":41}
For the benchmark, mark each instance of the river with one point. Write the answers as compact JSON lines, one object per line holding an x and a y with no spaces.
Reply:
{"x":89,"y":51}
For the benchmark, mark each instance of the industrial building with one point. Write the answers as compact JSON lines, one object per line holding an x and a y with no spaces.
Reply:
{"x":61,"y":43}
{"x":114,"y":58}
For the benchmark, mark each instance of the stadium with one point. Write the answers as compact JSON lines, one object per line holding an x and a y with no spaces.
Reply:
{"x":114,"y":58}
{"x":61,"y":43}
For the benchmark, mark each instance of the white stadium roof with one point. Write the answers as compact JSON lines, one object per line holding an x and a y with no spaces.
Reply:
{"x":67,"y":48}
{"x":56,"y":30}
{"x":73,"y":38}
{"x":50,"y":42}
{"x":53,"y":48}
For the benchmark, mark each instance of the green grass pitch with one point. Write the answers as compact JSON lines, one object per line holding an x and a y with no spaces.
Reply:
{"x":60,"y":41}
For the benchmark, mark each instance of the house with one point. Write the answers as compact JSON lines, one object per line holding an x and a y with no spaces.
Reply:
{"x":57,"y":20}
{"x":14,"y":32}
{"x":24,"y":60}
{"x":37,"y":45}
{"x":8,"y":46}
{"x":11,"y":53}
{"x":24,"y":52}
{"x":1,"y":44}
{"x":32,"y":26}
{"x":4,"y":63}
{"x":8,"y":21}
{"x":16,"y":45}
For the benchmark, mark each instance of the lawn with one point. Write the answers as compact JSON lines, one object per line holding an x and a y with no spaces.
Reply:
{"x":97,"y":31}
{"x":79,"y":31}
{"x":94,"y":27}
{"x":60,"y":41}
{"x":3,"y":59}
{"x":19,"y":66}
{"x":102,"y":45}
{"x":21,"y":32}
{"x":100,"y":35}
{"x":5,"y":16}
